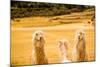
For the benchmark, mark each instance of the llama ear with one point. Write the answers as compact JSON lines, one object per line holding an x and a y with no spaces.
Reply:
{"x":66,"y":44}
{"x":32,"y":39}
{"x":58,"y":43}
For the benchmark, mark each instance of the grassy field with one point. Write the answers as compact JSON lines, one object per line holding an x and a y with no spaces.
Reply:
{"x":54,"y":29}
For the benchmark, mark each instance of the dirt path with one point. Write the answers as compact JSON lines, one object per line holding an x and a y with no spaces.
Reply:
{"x":59,"y":27}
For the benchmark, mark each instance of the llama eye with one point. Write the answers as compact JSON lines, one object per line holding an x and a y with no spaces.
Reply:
{"x":80,"y":33}
{"x":36,"y":33}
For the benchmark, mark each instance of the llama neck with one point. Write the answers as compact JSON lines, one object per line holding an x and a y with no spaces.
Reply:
{"x":64,"y":58}
{"x":64,"y":54}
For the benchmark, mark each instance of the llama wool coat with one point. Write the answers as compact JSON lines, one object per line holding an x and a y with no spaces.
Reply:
{"x":39,"y":52}
{"x":81,"y":50}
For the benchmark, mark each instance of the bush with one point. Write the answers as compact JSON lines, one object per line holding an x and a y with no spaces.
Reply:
{"x":21,"y":9}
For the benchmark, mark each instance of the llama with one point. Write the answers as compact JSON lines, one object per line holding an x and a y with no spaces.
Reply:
{"x":80,"y":46}
{"x":38,"y":43}
{"x":63,"y":48}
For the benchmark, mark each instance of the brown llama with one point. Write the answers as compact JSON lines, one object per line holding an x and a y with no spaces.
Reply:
{"x":38,"y":43}
{"x":80,"y":45}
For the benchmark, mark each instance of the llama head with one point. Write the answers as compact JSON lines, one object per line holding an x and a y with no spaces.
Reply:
{"x":62,"y":42}
{"x":38,"y":35}
{"x":80,"y":34}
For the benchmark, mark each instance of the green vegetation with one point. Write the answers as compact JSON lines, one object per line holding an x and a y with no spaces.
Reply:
{"x":21,"y":9}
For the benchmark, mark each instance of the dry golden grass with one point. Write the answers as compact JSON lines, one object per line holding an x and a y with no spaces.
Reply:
{"x":21,"y":37}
